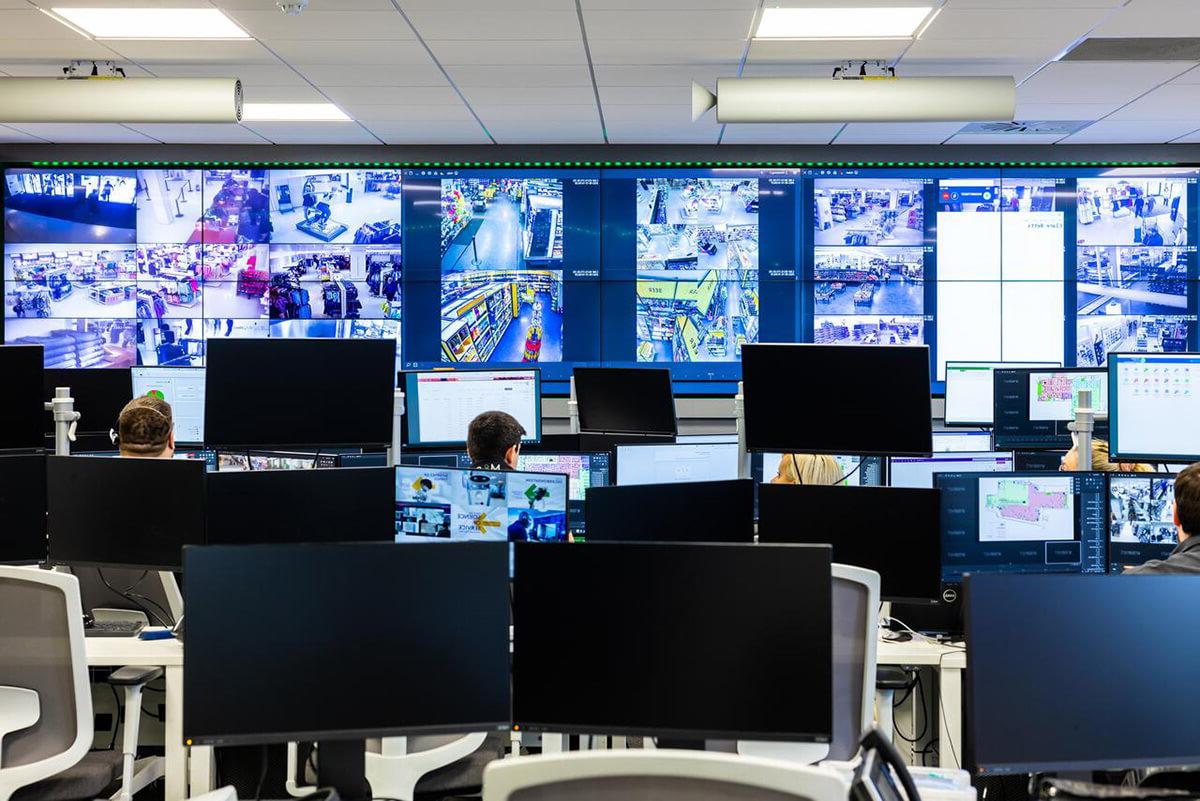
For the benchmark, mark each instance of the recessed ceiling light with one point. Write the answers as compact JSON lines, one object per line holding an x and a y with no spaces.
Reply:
{"x":151,"y":23}
{"x":841,"y":23}
{"x":292,"y":112}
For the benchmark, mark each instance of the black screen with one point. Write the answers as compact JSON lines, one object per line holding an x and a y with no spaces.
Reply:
{"x":286,"y":506}
{"x":99,"y":396}
{"x":1014,"y":430}
{"x":710,"y":640}
{"x":1081,"y":672}
{"x":891,"y":530}
{"x":124,"y":512}
{"x":862,"y":400}
{"x":695,"y":511}
{"x":21,"y":401}
{"x":345,"y":641}
{"x":625,"y":400}
{"x":23,"y":508}
{"x":299,"y":392}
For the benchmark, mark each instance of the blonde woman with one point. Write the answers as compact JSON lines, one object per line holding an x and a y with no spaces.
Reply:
{"x":807,"y":468}
{"x":1100,"y":462}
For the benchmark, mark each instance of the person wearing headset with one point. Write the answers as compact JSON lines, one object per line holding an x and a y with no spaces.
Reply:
{"x":146,"y":429}
{"x":494,"y":441}
{"x":808,"y":468}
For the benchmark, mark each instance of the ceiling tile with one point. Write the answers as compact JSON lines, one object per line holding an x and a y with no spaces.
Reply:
{"x":666,"y":24}
{"x":913,"y":67}
{"x":326,"y":52}
{"x":799,"y":133}
{"x":442,"y":95}
{"x":416,"y":132}
{"x":547,"y":115}
{"x":482,"y":23}
{"x":1025,"y":48}
{"x":1004,"y":139}
{"x":31,"y":24}
{"x":255,"y":74}
{"x":184,"y":134}
{"x":501,"y":75}
{"x":525,"y":52}
{"x":532,"y":131}
{"x":678,"y":95}
{"x":341,"y":25}
{"x":370,"y":115}
{"x":1063,"y":111}
{"x":1190,"y":138}
{"x":1192,"y":76}
{"x":829,"y":53}
{"x":1147,"y":131}
{"x":643,"y":51}
{"x":58,"y":51}
{"x":416,"y":73}
{"x":269,"y":5}
{"x":471,"y":6}
{"x":32,"y":69}
{"x":82,"y":132}
{"x":282,"y":94}
{"x":784,"y":69}
{"x":1001,"y":22}
{"x":633,"y":133}
{"x":12,"y":136}
{"x":663,"y":75}
{"x":687,"y":6}
{"x":202,"y":52}
{"x":897,"y":132}
{"x":1170,"y":102}
{"x":529,"y":96}
{"x":314,"y":133}
{"x":1153,"y":18}
{"x":1038,"y":4}
{"x":1102,"y":82}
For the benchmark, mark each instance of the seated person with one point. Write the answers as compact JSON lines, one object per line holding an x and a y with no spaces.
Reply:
{"x":1186,"y":556}
{"x":146,"y":429}
{"x":808,"y":468}
{"x":1100,"y":462}
{"x":494,"y":441}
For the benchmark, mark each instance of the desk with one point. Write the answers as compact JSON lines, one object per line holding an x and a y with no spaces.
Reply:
{"x":950,"y":661}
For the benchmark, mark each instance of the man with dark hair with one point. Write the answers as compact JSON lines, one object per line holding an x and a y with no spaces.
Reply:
{"x":1186,"y":556}
{"x":146,"y":428}
{"x":494,"y":441}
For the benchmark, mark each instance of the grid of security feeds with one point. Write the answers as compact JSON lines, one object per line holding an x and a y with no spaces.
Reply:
{"x":111,"y":267}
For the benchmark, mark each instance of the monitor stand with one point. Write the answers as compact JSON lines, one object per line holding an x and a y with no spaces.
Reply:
{"x":342,"y":765}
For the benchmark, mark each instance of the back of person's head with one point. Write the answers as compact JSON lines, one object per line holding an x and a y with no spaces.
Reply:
{"x":1100,"y":460}
{"x":491,"y":436}
{"x":1187,"y":499}
{"x":808,"y":468}
{"x":146,"y":427}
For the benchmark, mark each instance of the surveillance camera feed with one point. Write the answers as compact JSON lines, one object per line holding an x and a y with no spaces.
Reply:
{"x":359,"y":207}
{"x":1141,"y":519}
{"x":467,"y":504}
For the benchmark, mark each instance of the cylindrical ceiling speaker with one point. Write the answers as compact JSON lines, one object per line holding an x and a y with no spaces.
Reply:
{"x":849,"y":100}
{"x":128,"y":100}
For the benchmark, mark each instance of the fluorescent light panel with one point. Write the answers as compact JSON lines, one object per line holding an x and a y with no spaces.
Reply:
{"x":152,"y":23}
{"x":292,"y":112}
{"x":841,"y":23}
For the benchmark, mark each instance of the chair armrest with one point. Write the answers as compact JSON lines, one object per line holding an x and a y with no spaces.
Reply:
{"x":133,"y":676}
{"x":892,"y":677}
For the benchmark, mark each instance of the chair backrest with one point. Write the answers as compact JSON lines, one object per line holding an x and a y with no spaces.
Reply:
{"x":42,"y":649}
{"x":664,"y":775}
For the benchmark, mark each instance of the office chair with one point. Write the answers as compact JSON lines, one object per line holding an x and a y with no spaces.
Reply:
{"x":662,"y":775}
{"x":855,"y":641}
{"x":45,"y":698}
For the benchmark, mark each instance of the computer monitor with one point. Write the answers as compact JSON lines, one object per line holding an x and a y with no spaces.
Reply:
{"x":957,"y":441}
{"x":669,"y":463}
{"x":350,"y":629}
{"x":439,"y":405}
{"x":694,"y":511}
{"x":490,"y":505}
{"x":21,"y":401}
{"x":706,"y":439}
{"x":1038,"y":461}
{"x":299,"y":392}
{"x":625,"y":400}
{"x":284,"y":506}
{"x":889,"y":530}
{"x":1154,"y":406}
{"x":583,"y":470}
{"x":919,"y":471}
{"x":970,"y":392}
{"x":1080,"y":673}
{"x":866,"y":400}
{"x":124,"y":512}
{"x":1035,"y":406}
{"x":857,"y":471}
{"x":716,"y":641}
{"x":183,"y":388}
{"x":373,"y":459}
{"x":1022,"y":523}
{"x":23,"y":508}
{"x":99,"y":396}
{"x":1141,"y":518}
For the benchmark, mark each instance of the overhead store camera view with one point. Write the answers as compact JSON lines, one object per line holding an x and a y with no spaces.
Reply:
{"x":697,"y":268}
{"x":349,"y":206}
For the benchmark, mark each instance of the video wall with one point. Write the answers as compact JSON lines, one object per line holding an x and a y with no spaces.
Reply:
{"x":624,"y":267}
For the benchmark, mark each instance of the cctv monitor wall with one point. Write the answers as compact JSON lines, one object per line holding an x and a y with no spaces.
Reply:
{"x":695,"y":511}
{"x":440,"y":404}
{"x":1154,"y":406}
{"x":1141,"y":518}
{"x":23,"y":508}
{"x":21,"y":402}
{"x":1035,"y":407}
{"x":969,"y":390}
{"x":870,"y":400}
{"x":362,"y":606}
{"x":183,"y":388}
{"x":748,"y":656}
{"x":671,"y":463}
{"x":625,"y":400}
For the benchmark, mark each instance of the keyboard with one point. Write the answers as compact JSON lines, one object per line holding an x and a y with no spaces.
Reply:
{"x":114,"y":628}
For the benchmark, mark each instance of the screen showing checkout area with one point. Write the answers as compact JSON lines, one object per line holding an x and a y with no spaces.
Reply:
{"x":390,"y":483}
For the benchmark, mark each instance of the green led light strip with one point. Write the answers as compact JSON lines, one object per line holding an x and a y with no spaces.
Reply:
{"x":602,"y":164}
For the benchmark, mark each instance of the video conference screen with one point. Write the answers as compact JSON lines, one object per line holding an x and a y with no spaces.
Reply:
{"x":623,"y":266}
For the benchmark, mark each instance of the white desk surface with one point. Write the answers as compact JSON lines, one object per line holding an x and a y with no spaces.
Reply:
{"x":921,"y":652}
{"x":120,"y":651}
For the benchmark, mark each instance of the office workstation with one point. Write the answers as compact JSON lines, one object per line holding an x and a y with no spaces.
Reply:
{"x":415,"y":401}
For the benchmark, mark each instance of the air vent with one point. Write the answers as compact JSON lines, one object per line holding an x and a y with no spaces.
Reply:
{"x":1184,"y":48}
{"x":1026,"y":127}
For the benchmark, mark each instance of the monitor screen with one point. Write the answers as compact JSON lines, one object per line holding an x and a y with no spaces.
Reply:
{"x":910,"y":471}
{"x":1022,"y":523}
{"x":693,"y":511}
{"x":1016,"y":399}
{"x":856,"y":471}
{"x":845,"y":415}
{"x":440,"y":405}
{"x":1141,"y":518}
{"x":21,"y":401}
{"x":625,"y":400}
{"x":706,"y":439}
{"x":670,"y":463}
{"x":1094,"y":661}
{"x":889,"y":530}
{"x":584,"y":470}
{"x":310,"y":392}
{"x":183,"y":388}
{"x":99,"y":397}
{"x":748,"y":656}
{"x":277,"y":607}
{"x":263,"y":507}
{"x":953,"y":441}
{"x":1054,"y":395}
{"x":124,"y":512}
{"x":1155,"y":406}
{"x":969,"y":390}
{"x":491,"y":505}
{"x":23,"y":508}
{"x":374,"y":459}
{"x":1038,"y":461}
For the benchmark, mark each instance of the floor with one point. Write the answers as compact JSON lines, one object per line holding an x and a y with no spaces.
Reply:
{"x":498,"y":244}
{"x":891,"y":297}
{"x":512,"y":345}
{"x":901,"y":235}
{"x":177,"y":229}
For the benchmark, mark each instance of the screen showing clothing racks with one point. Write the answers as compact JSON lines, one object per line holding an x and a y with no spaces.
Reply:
{"x":559,"y":267}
